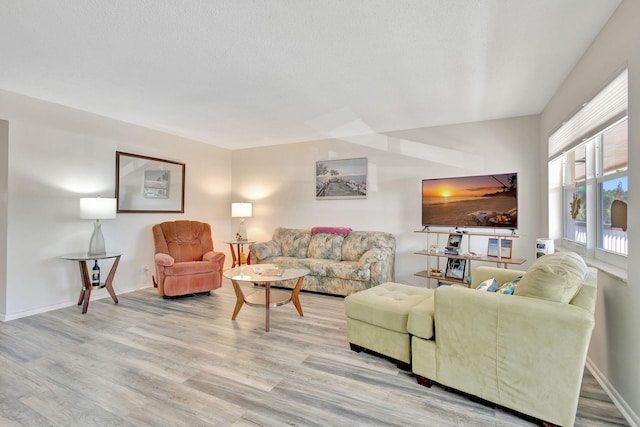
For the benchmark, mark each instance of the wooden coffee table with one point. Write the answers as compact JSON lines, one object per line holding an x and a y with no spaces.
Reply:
{"x":265,"y":297}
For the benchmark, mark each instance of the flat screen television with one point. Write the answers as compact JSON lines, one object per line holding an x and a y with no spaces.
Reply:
{"x":487,"y":201}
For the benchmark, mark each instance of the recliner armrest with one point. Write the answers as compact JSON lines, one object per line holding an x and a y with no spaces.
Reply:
{"x":213,"y":256}
{"x":164,"y":260}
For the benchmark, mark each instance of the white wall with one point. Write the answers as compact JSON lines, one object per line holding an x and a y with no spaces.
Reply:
{"x":615,"y":345}
{"x":57,"y":155}
{"x":280,"y":181}
{"x":4,"y":166}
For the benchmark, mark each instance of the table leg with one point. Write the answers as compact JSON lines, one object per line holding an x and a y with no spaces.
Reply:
{"x":233,"y":256}
{"x":83,"y":287}
{"x":239,"y":255}
{"x":86,"y":286}
{"x":85,"y":292}
{"x":239,"y":299}
{"x":295,"y":296}
{"x":107,"y":283}
{"x":267,"y":289}
{"x":81,"y":298}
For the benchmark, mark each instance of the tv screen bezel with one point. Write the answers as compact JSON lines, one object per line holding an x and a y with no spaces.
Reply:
{"x":485,"y":225}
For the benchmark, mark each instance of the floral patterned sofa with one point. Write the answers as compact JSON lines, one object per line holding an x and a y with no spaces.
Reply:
{"x":341,"y":261}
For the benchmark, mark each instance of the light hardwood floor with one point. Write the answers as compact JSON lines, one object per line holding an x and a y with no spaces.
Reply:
{"x":154,"y":362}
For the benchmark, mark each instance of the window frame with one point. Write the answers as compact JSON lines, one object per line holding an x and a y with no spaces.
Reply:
{"x":594,"y":176}
{"x":605,"y":109}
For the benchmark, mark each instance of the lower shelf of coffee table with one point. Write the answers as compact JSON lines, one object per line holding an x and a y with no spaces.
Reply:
{"x":276,"y":298}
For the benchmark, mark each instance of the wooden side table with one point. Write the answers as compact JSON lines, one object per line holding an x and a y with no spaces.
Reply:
{"x":236,"y":254}
{"x":85,"y":292}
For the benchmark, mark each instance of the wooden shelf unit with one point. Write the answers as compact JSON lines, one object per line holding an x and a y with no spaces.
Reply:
{"x":498,"y":260}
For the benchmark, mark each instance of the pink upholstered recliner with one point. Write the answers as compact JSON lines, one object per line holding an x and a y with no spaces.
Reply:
{"x":185,"y":260}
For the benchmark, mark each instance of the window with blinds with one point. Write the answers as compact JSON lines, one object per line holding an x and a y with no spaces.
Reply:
{"x":606,"y":108}
{"x":590,"y":151}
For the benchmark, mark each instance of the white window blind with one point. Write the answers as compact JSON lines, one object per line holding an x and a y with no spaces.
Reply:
{"x":607,"y":107}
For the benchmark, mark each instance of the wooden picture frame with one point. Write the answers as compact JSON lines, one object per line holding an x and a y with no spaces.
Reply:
{"x":506,"y":246}
{"x":148,"y":184}
{"x":456,"y":268}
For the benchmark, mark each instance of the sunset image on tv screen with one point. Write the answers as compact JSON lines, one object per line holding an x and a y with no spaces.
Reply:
{"x":473,"y":201}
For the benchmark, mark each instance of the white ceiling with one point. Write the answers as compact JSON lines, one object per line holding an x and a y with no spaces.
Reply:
{"x":247,"y":73}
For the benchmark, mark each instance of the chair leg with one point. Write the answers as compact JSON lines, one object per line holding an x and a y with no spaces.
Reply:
{"x":426,"y":382}
{"x":356,"y":347}
{"x":403,"y":365}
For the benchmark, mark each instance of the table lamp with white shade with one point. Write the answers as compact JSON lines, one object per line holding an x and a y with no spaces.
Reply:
{"x":242,"y":211}
{"x":97,"y":208}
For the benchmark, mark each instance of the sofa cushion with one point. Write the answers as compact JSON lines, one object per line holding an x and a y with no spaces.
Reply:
{"x":554,"y":277}
{"x":359,"y":242}
{"x":347,"y":270}
{"x":325,"y":246}
{"x":294,"y":242}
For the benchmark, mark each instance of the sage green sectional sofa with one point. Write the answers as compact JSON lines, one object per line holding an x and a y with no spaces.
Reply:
{"x":340,"y":261}
{"x":525,"y":351}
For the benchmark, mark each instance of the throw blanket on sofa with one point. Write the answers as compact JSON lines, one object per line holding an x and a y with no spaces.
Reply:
{"x":341,"y":231}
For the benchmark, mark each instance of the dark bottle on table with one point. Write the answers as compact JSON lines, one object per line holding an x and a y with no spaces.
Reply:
{"x":95,"y":274}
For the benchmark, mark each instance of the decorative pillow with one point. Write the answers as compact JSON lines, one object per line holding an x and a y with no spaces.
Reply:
{"x":342,"y":231}
{"x":325,"y":246}
{"x":489,"y":285}
{"x":509,"y":288}
{"x":554,"y":277}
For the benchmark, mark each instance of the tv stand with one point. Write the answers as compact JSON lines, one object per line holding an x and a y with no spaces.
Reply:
{"x":435,"y":254}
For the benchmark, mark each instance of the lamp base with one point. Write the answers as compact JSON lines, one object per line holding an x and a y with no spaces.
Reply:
{"x":241,"y":235}
{"x":96,"y":244}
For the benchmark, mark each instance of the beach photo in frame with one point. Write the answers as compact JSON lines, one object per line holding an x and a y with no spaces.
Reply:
{"x":454,"y":241}
{"x":455,"y":268}
{"x":341,"y":179}
{"x":148,"y":184}
{"x":504,"y":250}
{"x":156,"y":184}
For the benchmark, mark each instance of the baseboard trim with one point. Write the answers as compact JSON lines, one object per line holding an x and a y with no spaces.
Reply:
{"x":95,"y":295}
{"x":631,"y":417}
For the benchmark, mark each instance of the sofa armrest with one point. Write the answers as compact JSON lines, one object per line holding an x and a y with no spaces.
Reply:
{"x":502,"y":275}
{"x":524,"y":353}
{"x":164,"y":260}
{"x":263,"y":250}
{"x":369,"y":257}
{"x":381,"y":262}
